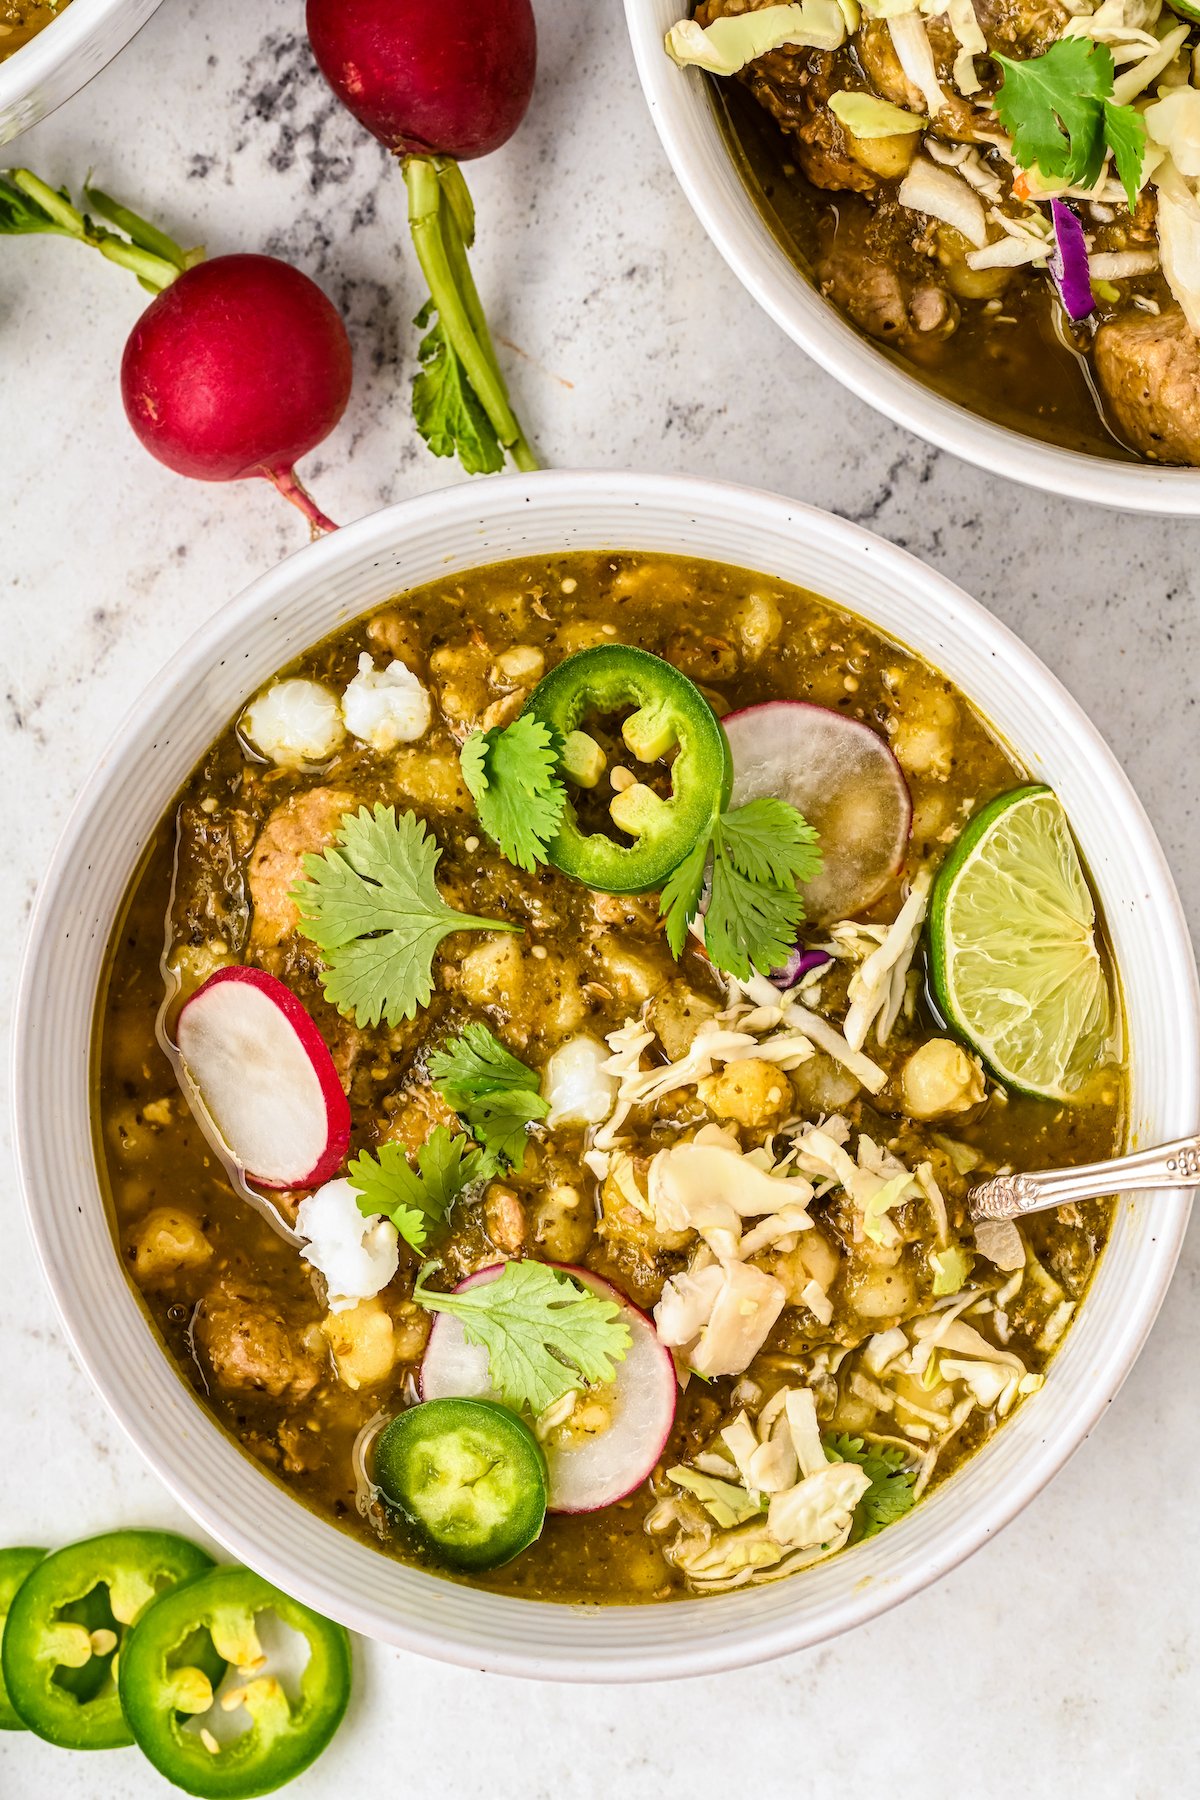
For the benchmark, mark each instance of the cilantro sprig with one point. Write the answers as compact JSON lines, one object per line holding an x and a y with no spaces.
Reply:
{"x":543,"y":1332}
{"x":759,"y":852}
{"x":890,"y":1494}
{"x":415,"y":1200}
{"x":512,"y":775}
{"x":493,"y":1092}
{"x":371,"y":905}
{"x":1059,"y":111}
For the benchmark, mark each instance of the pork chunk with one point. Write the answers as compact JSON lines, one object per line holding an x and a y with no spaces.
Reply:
{"x":1148,"y":367}
{"x":1021,"y":28}
{"x":873,"y":293}
{"x":414,"y":1114}
{"x":303,"y":823}
{"x":793,"y":84}
{"x":249,"y":1346}
{"x":881,"y":299}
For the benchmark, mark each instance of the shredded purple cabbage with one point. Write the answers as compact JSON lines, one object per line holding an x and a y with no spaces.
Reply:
{"x":1069,"y":263}
{"x":797,"y":966}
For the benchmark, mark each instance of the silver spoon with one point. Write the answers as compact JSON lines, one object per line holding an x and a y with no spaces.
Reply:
{"x":1012,"y":1196}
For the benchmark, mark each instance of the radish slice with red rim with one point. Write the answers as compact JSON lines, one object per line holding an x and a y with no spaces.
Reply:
{"x":264,"y":1077}
{"x":845,"y":780}
{"x":599,"y":1467}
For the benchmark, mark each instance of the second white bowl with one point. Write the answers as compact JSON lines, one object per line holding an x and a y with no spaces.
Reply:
{"x":686,"y":122}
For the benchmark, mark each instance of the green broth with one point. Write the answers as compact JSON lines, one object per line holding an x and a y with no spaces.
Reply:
{"x":300,"y":1419}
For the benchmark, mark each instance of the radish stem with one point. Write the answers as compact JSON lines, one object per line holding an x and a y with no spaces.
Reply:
{"x":63,"y":214}
{"x":288,"y":483}
{"x":457,"y":244}
{"x":140,"y":231}
{"x":153,"y":257}
{"x":152,"y":271}
{"x":437,"y":236}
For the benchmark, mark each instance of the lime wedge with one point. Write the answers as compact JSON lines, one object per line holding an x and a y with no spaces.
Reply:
{"x":1014,"y":961}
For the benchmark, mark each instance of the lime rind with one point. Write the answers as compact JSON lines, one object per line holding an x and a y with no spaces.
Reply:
{"x":1014,"y":958}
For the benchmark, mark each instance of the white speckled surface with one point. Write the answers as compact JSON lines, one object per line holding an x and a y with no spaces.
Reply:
{"x":1062,"y":1660}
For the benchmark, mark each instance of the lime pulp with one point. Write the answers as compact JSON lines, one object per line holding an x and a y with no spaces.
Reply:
{"x":1014,"y":958}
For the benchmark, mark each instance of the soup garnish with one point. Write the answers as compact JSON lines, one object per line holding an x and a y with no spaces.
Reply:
{"x":1013,"y":955}
{"x":675,"y":1178}
{"x":469,"y":1475}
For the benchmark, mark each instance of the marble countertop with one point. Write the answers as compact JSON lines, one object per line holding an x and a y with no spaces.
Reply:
{"x":1063,"y":1659}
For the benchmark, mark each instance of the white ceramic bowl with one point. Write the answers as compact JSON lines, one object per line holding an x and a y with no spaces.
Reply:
{"x":686,"y":122}
{"x":311,"y":594}
{"x":64,"y":57}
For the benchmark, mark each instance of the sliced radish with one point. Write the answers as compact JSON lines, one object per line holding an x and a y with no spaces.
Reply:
{"x":844,"y":779}
{"x":599,"y":1470}
{"x":265,"y":1079}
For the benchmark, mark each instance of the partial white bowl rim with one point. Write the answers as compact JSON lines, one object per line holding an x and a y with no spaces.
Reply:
{"x":65,"y":56}
{"x":683,"y":116}
{"x":243,"y":645}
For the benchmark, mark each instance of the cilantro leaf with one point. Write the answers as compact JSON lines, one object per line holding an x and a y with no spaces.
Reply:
{"x":760,"y":851}
{"x":1050,"y":107}
{"x":890,"y":1494}
{"x":512,"y":776}
{"x":494,"y":1093}
{"x":749,"y":925}
{"x":499,"y":1124}
{"x":475,"y":1065}
{"x":680,"y":898}
{"x":372,"y":907}
{"x":1059,"y":111}
{"x":769,"y":841}
{"x":415,"y":1199}
{"x":446,"y":408}
{"x":544,"y":1333}
{"x":1125,"y":130}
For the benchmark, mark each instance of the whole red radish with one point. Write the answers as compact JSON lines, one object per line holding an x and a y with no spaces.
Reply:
{"x":438,"y":82}
{"x":239,"y":366}
{"x":446,"y":79}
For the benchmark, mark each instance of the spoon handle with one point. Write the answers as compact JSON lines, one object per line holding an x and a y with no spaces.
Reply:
{"x":1011,"y":1196}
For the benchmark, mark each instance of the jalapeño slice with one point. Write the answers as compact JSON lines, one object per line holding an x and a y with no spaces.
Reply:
{"x":670,"y":719}
{"x":15,"y":1565}
{"x":166,"y":1688}
{"x":68,"y":1620}
{"x":470,"y":1475}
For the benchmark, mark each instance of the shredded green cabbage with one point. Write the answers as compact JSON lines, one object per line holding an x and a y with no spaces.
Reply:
{"x":727,"y":45}
{"x":866,"y":116}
